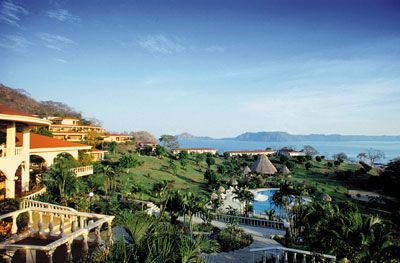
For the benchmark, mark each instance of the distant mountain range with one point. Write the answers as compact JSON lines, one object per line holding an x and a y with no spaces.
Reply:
{"x":287,"y":137}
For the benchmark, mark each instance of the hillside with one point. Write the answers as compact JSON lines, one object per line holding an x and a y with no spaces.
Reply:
{"x":144,"y":136}
{"x":187,"y":136}
{"x":20,"y":100}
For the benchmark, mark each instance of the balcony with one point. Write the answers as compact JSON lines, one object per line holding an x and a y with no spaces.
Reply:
{"x":54,"y":231}
{"x":82,"y":171}
{"x":4,"y":152}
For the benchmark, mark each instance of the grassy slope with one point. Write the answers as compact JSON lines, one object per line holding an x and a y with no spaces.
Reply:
{"x":190,"y":180}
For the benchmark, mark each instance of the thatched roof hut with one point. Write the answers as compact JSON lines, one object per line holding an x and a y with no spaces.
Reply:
{"x":233,"y":182}
{"x":326,"y":197}
{"x":284,"y":170}
{"x":246,"y":170}
{"x":213,"y":196}
{"x":263,"y":165}
{"x":221,"y":189}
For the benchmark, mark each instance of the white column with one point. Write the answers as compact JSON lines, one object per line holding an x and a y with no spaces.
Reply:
{"x":62,"y":227}
{"x":51,"y":224}
{"x":85,"y":246}
{"x":49,"y":255}
{"x":14,"y":227}
{"x":10,"y":141}
{"x":25,"y":169}
{"x":30,"y":256}
{"x":69,"y":257}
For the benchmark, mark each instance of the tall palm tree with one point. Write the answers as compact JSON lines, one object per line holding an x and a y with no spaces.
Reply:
{"x":244,"y":195}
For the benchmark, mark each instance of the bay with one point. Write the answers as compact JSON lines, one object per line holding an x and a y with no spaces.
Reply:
{"x":350,"y":148}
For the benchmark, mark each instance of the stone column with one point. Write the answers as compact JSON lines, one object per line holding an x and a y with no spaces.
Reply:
{"x":25,"y":168}
{"x":51,"y":224}
{"x":69,"y":257}
{"x":62,"y":227}
{"x":49,"y":254}
{"x":8,"y":256}
{"x":98,"y":234}
{"x":30,"y":256}
{"x":14,"y":227}
{"x":85,"y":246}
{"x":30,"y":222}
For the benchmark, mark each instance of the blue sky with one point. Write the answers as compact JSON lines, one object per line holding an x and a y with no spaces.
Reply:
{"x":215,"y":68}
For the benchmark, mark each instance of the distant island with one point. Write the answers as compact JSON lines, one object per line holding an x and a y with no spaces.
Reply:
{"x":287,"y":137}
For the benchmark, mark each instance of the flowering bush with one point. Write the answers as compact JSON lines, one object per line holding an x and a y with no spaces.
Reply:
{"x":5,"y":230}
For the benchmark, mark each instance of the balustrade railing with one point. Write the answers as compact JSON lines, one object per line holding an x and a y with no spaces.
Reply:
{"x":34,"y":195}
{"x":82,"y":171}
{"x":258,"y":222}
{"x":79,"y":224}
{"x":19,"y":151}
{"x":290,"y":255}
{"x":4,"y":152}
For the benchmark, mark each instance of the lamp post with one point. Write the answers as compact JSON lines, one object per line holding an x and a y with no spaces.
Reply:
{"x":91,"y":194}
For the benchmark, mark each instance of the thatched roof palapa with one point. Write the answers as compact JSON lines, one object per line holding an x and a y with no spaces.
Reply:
{"x":246,"y":170}
{"x":284,"y":170}
{"x":263,"y":165}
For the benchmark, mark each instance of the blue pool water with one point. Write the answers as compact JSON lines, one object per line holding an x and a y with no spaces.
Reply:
{"x":260,"y":207}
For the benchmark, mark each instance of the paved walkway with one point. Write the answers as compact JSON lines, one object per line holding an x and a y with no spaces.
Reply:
{"x":261,"y":238}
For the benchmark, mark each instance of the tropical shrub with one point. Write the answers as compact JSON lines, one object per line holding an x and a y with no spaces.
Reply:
{"x":232,"y":238}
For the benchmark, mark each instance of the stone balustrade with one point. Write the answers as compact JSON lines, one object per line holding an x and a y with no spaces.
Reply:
{"x":79,"y":226}
{"x":35,"y":194}
{"x":294,"y":255}
{"x":82,"y":171}
{"x":241,"y":220}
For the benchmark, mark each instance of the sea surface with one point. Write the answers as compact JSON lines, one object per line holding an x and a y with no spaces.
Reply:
{"x":350,"y":148}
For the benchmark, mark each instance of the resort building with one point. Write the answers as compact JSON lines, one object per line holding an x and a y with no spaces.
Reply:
{"x":195,"y":150}
{"x":257,"y":152}
{"x":23,"y":153}
{"x":70,"y":129}
{"x":290,"y":152}
{"x":143,"y":145}
{"x":118,"y":138}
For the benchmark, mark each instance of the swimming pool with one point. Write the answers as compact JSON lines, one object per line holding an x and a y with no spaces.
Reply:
{"x":267,"y":205}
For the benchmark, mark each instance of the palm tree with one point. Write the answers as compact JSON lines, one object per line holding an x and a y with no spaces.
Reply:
{"x":107,"y":169}
{"x":244,"y":195}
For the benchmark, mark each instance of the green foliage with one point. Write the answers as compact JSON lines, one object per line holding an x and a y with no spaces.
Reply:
{"x":221,"y":169}
{"x":210,"y":160}
{"x":365,"y":166}
{"x":227,"y":155}
{"x":232,"y":238}
{"x":43,"y":131}
{"x":128,"y":161}
{"x":211,"y":177}
{"x":308,"y":165}
{"x":390,"y":178}
{"x":200,"y":158}
{"x":169,"y":141}
{"x":161,"y":151}
{"x":309,"y":150}
{"x":84,"y":158}
{"x":318,"y":158}
{"x":183,"y":155}
{"x":112,"y":146}
{"x":60,"y":182}
{"x":183,"y":163}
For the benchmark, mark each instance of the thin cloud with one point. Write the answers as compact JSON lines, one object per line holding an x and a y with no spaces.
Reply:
{"x":62,"y":15}
{"x":161,"y":44}
{"x":15,"y":43}
{"x":214,"y":48}
{"x":55,"y":42}
{"x":60,"y":60}
{"x":10,"y":13}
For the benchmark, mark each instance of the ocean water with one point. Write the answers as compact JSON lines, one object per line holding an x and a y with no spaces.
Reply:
{"x":350,"y":148}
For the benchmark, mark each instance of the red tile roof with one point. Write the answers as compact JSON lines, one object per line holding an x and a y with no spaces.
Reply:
{"x":40,"y":141}
{"x":289,"y":150}
{"x":10,"y":111}
{"x":257,"y":151}
{"x":194,"y":149}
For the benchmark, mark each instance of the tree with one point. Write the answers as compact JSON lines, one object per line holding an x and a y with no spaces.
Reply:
{"x":44,"y":131}
{"x":160,"y":188}
{"x":390,"y":177}
{"x":60,"y":182}
{"x":128,"y":161}
{"x":92,"y":138}
{"x":362,"y":156}
{"x":227,"y":155}
{"x":161,"y":151}
{"x":112,"y":146}
{"x":199,"y":158}
{"x":210,"y":161}
{"x":340,"y":156}
{"x":244,"y":195}
{"x":309,"y":150}
{"x":173,"y":167}
{"x":374,"y":154}
{"x":308,"y":165}
{"x":221,"y":169}
{"x":183,"y":155}
{"x":184,"y":163}
{"x":211,"y":177}
{"x":169,"y":141}
{"x":175,"y":206}
{"x":84,"y":158}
